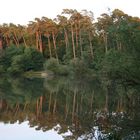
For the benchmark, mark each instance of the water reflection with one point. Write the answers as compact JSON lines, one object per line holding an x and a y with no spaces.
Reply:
{"x":91,"y":109}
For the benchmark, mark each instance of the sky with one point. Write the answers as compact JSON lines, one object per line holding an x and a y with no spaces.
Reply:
{"x":22,"y":131}
{"x":23,"y":11}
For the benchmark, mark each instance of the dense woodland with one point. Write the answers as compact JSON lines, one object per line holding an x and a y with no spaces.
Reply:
{"x":74,"y":44}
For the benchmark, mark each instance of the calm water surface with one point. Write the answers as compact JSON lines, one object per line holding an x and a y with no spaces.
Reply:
{"x":62,"y":108}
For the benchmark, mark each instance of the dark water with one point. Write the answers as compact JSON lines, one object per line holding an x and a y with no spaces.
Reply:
{"x":62,"y":108}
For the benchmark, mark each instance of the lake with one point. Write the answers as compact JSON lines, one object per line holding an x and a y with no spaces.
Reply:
{"x":68,"y":109}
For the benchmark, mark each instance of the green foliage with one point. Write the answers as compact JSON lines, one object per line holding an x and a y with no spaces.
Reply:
{"x":33,"y":59}
{"x":53,"y":65}
{"x":78,"y":68}
{"x":18,"y":60}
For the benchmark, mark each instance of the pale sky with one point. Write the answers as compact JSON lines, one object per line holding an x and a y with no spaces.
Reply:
{"x":23,"y":11}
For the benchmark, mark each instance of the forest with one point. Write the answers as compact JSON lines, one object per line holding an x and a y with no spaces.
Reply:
{"x":74,"y":44}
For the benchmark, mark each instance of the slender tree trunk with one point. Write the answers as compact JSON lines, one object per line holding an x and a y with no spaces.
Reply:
{"x":7,"y":42}
{"x":91,"y":46}
{"x":76,"y":31}
{"x":40,"y":43}
{"x":16,"y":38}
{"x":73,"y":44}
{"x":37,"y":38}
{"x":24,"y":41}
{"x":80,"y":40}
{"x":54,"y":43}
{"x":66,"y":38}
{"x":105,"y":41}
{"x":15,"y":41}
{"x":49,"y":45}
{"x":73,"y":108}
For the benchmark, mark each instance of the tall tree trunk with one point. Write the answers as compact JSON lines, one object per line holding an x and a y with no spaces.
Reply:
{"x":90,"y":44}
{"x":37,"y":38}
{"x":80,"y":40}
{"x":76,"y":35}
{"x":66,"y":38}
{"x":105,"y":41}
{"x":73,"y":44}
{"x":15,"y":41}
{"x":49,"y":45}
{"x":7,"y":42}
{"x":40,"y":43}
{"x":24,"y":41}
{"x":16,"y":38}
{"x":54,"y":43}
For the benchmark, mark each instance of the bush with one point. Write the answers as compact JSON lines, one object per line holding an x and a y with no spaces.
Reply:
{"x":18,"y":60}
{"x":78,"y":68}
{"x":53,"y":65}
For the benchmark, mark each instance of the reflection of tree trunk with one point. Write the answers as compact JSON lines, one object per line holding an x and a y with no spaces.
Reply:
{"x":50,"y":99}
{"x":1,"y":104}
{"x":25,"y":105}
{"x":106,"y":102}
{"x":37,"y":108}
{"x":73,"y":108}
{"x":77,"y":108}
{"x":67,"y":110}
{"x":81,"y":102}
{"x":120,"y":105}
{"x":54,"y":107}
{"x":40,"y":104}
{"x":91,"y":102}
{"x":16,"y":108}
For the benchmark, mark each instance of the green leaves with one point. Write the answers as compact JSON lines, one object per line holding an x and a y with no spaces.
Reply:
{"x":18,"y":60}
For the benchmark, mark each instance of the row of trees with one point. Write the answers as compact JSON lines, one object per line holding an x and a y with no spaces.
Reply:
{"x":73,"y":30}
{"x":109,"y":45}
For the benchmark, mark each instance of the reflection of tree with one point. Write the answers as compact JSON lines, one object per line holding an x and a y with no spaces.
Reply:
{"x":76,"y":105}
